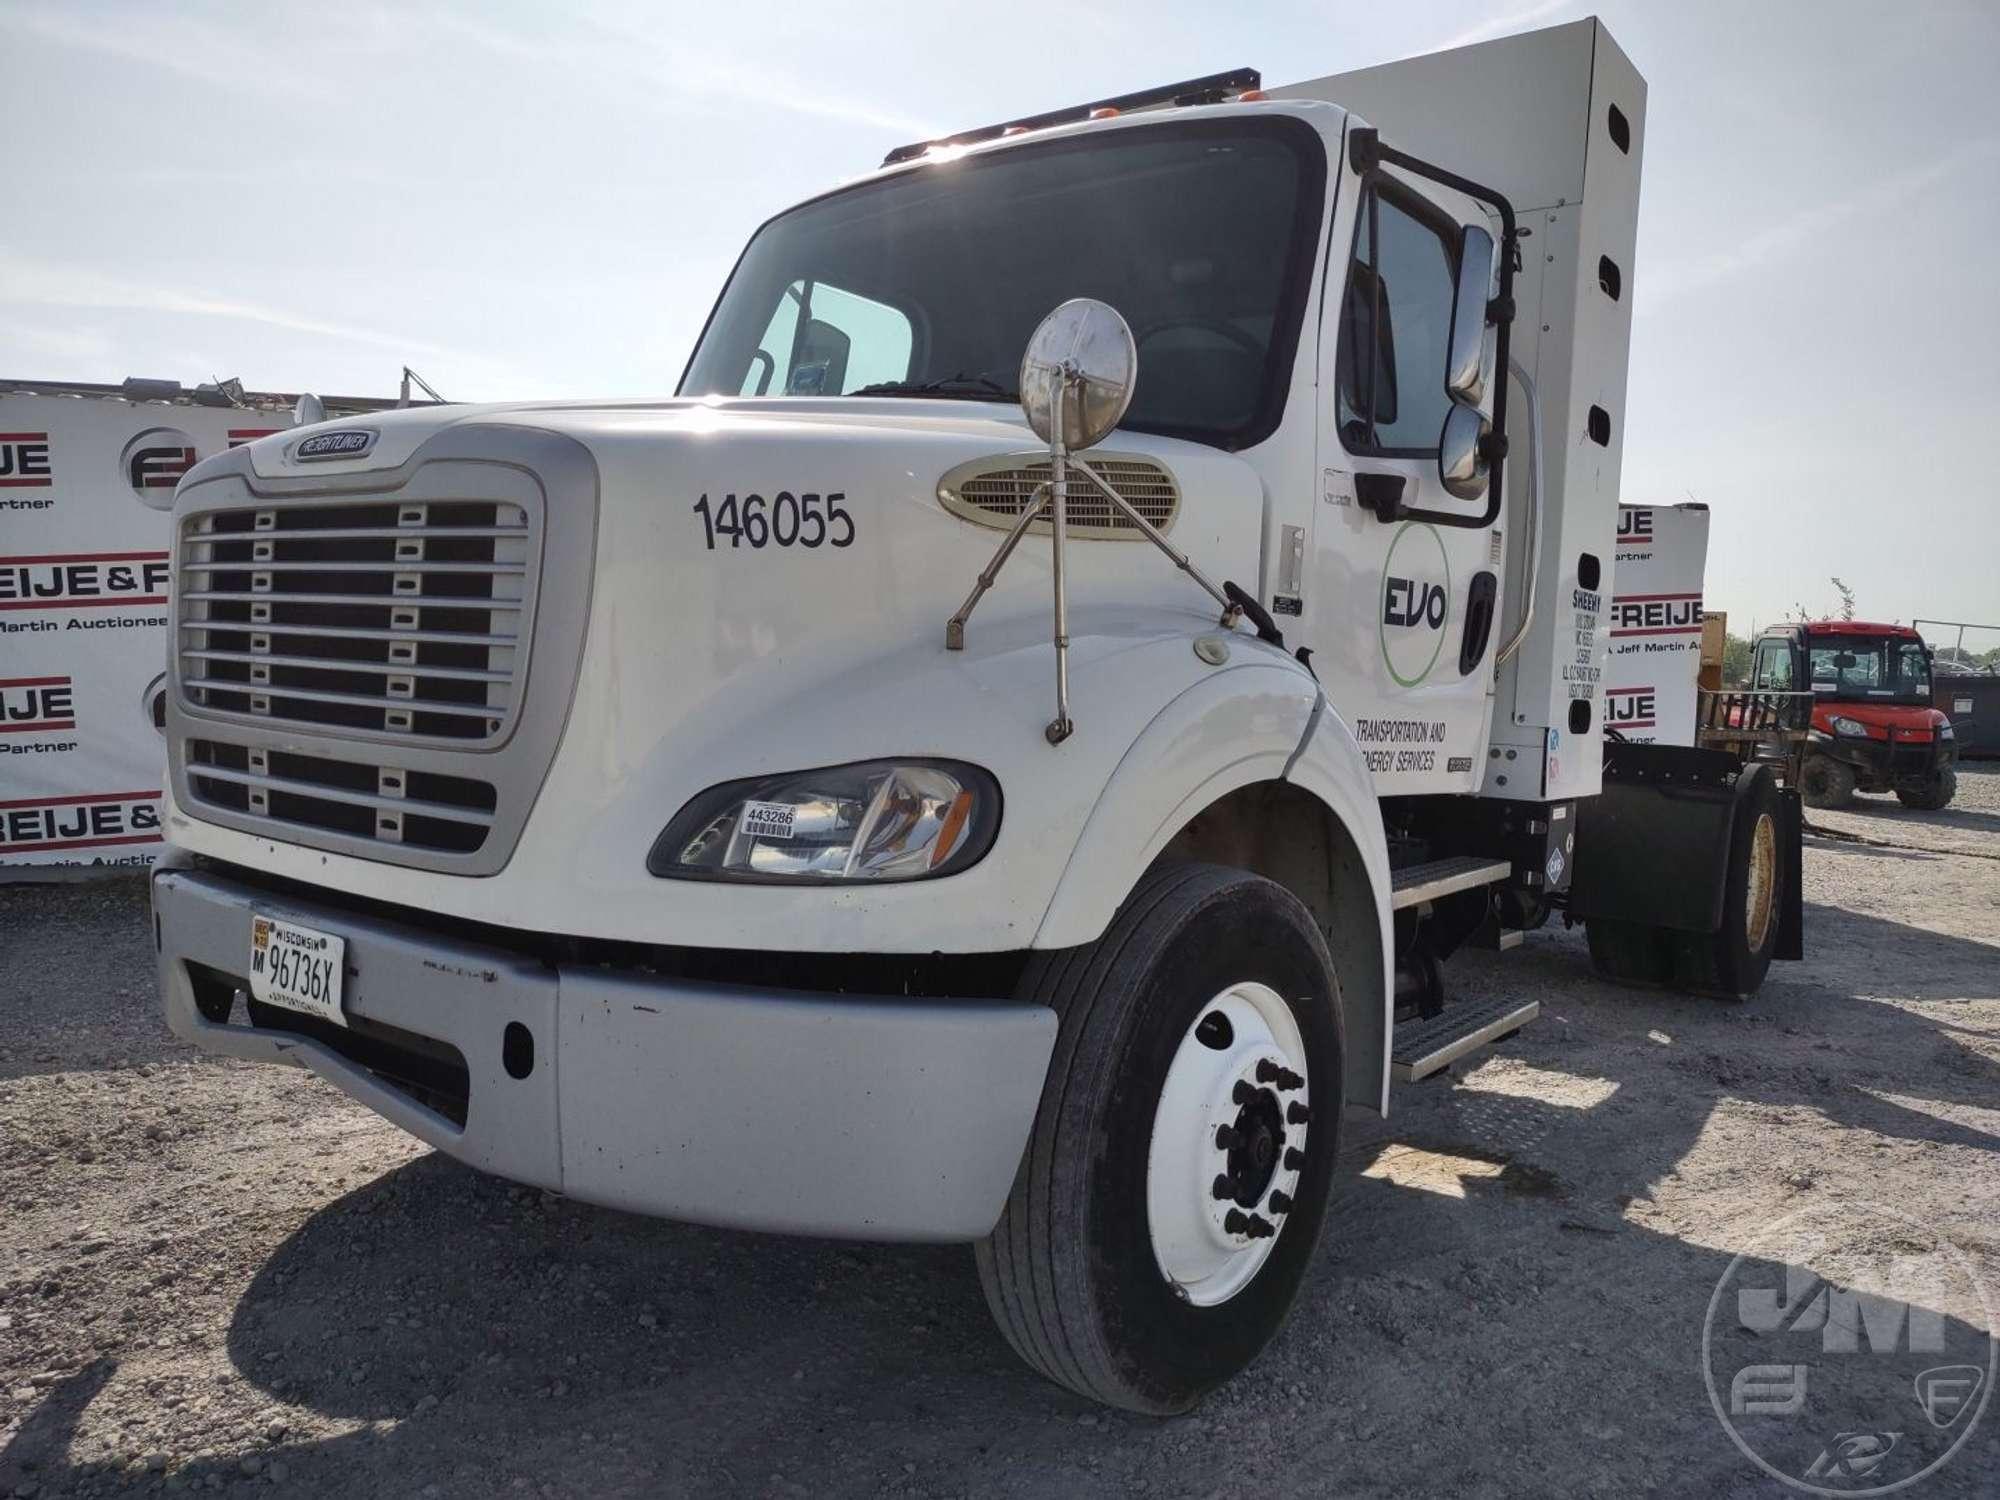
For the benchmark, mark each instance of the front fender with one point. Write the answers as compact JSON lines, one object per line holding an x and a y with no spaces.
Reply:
{"x":1236,"y":726}
{"x":1330,"y":765}
{"x":1264,"y":721}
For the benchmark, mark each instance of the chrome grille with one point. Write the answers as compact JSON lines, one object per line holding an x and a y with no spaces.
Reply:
{"x":395,"y":619}
{"x":994,"y":492}
{"x":388,"y":804}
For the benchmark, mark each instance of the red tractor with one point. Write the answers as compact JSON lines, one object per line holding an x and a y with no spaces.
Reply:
{"x":1873,"y":727}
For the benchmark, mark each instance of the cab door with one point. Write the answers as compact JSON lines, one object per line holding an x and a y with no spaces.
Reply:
{"x":1406,"y":652}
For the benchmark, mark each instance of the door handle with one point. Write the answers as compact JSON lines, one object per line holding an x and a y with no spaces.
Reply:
{"x":1381,"y":493}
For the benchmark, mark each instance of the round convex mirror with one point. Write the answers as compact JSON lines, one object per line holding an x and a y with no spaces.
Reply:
{"x":1094,"y":342}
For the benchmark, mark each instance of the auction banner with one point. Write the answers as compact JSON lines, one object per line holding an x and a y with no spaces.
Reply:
{"x":86,"y":486}
{"x":1655,"y":652}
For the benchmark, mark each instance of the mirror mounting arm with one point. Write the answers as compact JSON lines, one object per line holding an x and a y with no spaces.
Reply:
{"x":1368,"y":155}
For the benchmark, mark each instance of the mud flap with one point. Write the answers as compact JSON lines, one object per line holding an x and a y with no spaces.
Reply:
{"x":1791,"y":839}
{"x":1652,"y":848}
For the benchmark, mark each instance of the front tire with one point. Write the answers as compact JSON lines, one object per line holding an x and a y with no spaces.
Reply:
{"x":1825,"y":782}
{"x":1120,"y":1267}
{"x":1935,"y":795}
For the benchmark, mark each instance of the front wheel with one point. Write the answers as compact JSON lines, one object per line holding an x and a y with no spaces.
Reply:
{"x":1825,"y":782}
{"x":1173,"y":1191}
{"x":1934,"y":795}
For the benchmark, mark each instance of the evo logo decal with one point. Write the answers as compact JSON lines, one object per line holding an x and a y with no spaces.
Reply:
{"x":1416,"y":602}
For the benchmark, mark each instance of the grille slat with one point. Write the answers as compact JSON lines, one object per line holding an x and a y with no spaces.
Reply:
{"x":424,"y":810}
{"x":341,"y":794}
{"x":995,"y":491}
{"x":321,"y":663}
{"x":387,"y":565}
{"x":348,"y":700}
{"x":355,"y":533}
{"x":440,"y":601}
{"x":363,"y":633}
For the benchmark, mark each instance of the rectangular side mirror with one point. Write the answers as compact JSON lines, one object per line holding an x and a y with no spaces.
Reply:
{"x":1468,"y":366}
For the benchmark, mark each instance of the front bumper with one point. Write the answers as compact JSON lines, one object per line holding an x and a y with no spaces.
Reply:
{"x":858,"y":1117}
{"x":1890,"y":762}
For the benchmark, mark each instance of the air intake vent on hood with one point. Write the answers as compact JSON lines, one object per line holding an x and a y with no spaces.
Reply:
{"x":994,"y":492}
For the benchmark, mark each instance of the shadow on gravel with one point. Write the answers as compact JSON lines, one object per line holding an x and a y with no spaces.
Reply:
{"x":1875,"y":956}
{"x":50,"y":1426}
{"x":1890,"y":812}
{"x":1822,"y":838}
{"x":1489,"y":1314}
{"x":501,"y":1337}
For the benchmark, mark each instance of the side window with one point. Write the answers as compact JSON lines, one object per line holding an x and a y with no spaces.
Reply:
{"x":823,"y":341}
{"x":1394,"y":323}
{"x":1779,"y":678}
{"x":1760,"y":668}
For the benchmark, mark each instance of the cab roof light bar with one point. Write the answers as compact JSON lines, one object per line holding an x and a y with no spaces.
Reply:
{"x":1213,"y":89}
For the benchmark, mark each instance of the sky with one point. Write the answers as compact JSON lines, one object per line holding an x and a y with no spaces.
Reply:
{"x":536,"y":200}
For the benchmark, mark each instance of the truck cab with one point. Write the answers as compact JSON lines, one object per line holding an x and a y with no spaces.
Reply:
{"x":1004,"y":753}
{"x":1873,"y":726}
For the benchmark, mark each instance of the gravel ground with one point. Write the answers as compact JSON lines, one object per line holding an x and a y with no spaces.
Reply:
{"x":215,"y":1275}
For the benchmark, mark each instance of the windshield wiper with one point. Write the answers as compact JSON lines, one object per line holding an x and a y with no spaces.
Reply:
{"x":974,"y":387}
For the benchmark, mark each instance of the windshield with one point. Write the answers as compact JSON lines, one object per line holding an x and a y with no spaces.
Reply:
{"x":1869,"y":667}
{"x":928,"y":283}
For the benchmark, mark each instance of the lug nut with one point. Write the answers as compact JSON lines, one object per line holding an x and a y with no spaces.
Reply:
{"x":1296,"y":1113}
{"x":1295,"y":1159}
{"x":1235,"y":1222}
{"x":1280,"y":1203}
{"x":1260,"y":1228}
{"x":1288,"y":1080}
{"x":1242,"y":1093}
{"x":1224,"y":1137}
{"x":1222,"y":1187}
{"x":1268,"y":1071}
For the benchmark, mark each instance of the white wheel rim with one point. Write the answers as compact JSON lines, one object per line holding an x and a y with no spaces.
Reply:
{"x":1210,"y":1248}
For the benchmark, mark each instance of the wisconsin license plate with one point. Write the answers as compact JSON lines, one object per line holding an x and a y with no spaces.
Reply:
{"x":297,"y":967}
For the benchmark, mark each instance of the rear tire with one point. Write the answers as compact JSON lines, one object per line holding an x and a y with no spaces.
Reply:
{"x":1731,"y":962}
{"x":1936,"y":794}
{"x":1075,"y":1270}
{"x":1629,"y":952}
{"x":1825,"y":782}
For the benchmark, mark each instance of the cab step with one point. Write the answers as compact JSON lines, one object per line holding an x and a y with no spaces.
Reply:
{"x":1415,"y":884}
{"x":1421,"y":1048}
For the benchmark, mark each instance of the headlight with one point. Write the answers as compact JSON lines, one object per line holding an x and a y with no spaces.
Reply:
{"x":1843,"y":725}
{"x":875,"y":820}
{"x":1944,"y":732}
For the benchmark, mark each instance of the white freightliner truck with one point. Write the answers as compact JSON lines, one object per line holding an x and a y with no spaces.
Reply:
{"x":627,"y":798}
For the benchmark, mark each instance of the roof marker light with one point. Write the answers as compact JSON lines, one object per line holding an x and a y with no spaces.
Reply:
{"x":1104,"y":113}
{"x":1252,"y":96}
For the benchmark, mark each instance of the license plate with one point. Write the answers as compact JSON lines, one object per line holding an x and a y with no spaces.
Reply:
{"x":297,"y":967}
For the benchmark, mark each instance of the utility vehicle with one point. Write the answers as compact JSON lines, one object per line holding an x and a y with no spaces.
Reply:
{"x":1003,"y":754}
{"x":1873,"y":726}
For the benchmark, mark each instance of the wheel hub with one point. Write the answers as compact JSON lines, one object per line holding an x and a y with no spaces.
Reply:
{"x":1253,"y":1144}
{"x":1228,"y":1144}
